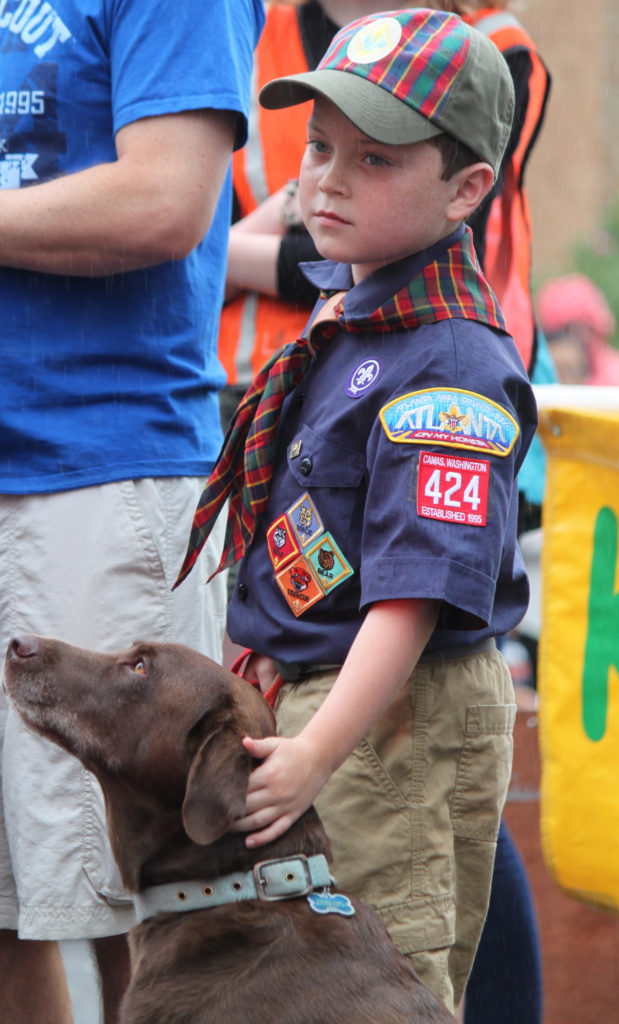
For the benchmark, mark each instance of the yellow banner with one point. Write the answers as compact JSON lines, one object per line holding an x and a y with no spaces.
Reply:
{"x":579,"y":654}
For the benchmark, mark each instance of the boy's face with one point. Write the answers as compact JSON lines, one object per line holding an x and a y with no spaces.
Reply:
{"x":367,"y":203}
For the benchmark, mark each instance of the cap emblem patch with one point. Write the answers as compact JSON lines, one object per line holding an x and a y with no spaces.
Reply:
{"x":374,"y":41}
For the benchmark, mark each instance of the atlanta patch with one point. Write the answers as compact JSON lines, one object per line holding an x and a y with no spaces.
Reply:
{"x":451,"y":417}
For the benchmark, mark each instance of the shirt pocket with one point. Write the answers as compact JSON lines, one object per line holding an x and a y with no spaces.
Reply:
{"x":316,"y":462}
{"x":333,"y":476}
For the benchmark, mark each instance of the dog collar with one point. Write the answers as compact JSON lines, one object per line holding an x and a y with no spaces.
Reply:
{"x":279,"y":879}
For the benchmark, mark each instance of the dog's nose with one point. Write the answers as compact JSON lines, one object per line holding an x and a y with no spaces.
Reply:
{"x":23,"y":647}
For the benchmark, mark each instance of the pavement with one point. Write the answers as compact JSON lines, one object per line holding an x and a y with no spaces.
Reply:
{"x":82,"y":980}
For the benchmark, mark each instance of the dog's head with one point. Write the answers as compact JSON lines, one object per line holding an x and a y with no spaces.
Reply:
{"x":159,"y":721}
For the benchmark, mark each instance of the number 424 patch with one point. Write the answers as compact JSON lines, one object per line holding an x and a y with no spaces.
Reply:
{"x":453,"y":489}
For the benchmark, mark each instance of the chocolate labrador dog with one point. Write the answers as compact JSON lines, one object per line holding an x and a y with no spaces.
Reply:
{"x":227,"y":935}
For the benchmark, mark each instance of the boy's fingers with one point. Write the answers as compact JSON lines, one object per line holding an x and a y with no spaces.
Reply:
{"x":254,"y":820}
{"x":260,"y":748}
{"x":267,"y":835}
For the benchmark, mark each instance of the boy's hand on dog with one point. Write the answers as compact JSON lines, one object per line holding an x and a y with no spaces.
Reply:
{"x":281,"y":788}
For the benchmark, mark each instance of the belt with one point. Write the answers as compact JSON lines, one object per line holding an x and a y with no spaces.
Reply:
{"x":290,"y":672}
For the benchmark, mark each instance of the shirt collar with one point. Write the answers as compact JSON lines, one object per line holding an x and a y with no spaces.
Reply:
{"x":377,"y":288}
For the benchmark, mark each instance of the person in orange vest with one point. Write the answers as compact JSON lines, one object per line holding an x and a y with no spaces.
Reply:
{"x":268,"y":301}
{"x":502,"y":225}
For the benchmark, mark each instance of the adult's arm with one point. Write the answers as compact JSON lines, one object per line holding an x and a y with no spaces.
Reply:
{"x":253,"y":247}
{"x":154,"y":203}
{"x":264,"y":257}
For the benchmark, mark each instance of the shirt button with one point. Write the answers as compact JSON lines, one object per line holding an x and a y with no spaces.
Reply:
{"x":306,"y":465}
{"x":242,"y":592}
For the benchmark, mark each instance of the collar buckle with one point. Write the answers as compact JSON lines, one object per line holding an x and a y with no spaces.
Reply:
{"x":283,"y":878}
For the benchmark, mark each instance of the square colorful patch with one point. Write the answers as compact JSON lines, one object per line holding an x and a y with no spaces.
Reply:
{"x":305,"y":520}
{"x":299,"y":585}
{"x":329,"y":564}
{"x":282,"y":542}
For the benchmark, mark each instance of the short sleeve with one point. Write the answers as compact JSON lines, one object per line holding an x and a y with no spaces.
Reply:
{"x":174,"y":56}
{"x":436,"y":515}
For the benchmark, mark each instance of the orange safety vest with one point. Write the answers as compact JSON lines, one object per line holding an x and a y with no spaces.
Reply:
{"x":507,"y":262}
{"x":254,"y":326}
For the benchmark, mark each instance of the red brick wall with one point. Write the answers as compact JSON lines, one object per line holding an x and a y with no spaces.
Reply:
{"x":574,"y":170}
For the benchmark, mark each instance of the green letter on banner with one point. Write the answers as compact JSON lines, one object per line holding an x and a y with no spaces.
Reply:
{"x":602,"y":647}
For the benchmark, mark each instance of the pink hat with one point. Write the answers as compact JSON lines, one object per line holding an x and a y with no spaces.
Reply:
{"x":573,"y":299}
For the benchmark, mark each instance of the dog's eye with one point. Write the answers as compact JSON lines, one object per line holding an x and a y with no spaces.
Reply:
{"x":140,"y":666}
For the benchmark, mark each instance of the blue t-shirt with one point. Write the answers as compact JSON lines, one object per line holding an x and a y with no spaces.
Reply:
{"x":395,"y":477}
{"x":112,"y":377}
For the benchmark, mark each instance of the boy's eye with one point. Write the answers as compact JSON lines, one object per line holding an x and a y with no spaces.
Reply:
{"x":318,"y":145}
{"x":375,"y":160}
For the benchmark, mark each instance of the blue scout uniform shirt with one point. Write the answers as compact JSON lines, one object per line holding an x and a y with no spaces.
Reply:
{"x":395,"y":478}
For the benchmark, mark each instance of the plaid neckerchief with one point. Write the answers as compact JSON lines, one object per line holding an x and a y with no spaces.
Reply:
{"x":451,"y":285}
{"x":244,"y":468}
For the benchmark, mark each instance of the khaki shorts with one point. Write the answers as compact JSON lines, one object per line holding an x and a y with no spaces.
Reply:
{"x":413,"y":814}
{"x":93,"y":567}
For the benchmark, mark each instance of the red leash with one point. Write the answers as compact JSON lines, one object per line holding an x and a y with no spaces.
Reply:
{"x":239,"y":664}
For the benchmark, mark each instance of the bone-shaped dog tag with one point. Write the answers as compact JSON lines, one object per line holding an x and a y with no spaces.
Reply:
{"x":330,"y":903}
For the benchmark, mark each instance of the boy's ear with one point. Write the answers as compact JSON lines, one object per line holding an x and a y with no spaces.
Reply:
{"x":470,"y":185}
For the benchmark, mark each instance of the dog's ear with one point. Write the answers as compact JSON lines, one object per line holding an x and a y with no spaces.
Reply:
{"x":216,"y":786}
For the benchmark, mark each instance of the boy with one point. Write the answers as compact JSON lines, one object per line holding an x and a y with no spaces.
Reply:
{"x":378,"y":509}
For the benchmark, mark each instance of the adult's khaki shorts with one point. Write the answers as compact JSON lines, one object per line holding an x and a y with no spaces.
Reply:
{"x":413,"y":813}
{"x":93,"y":567}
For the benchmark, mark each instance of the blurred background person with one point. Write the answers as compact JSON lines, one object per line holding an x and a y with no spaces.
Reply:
{"x":579,"y":326}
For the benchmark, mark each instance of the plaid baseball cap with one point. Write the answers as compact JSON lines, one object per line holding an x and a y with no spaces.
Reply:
{"x":404,"y":76}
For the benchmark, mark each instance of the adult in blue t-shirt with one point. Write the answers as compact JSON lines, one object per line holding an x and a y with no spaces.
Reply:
{"x":117,"y":122}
